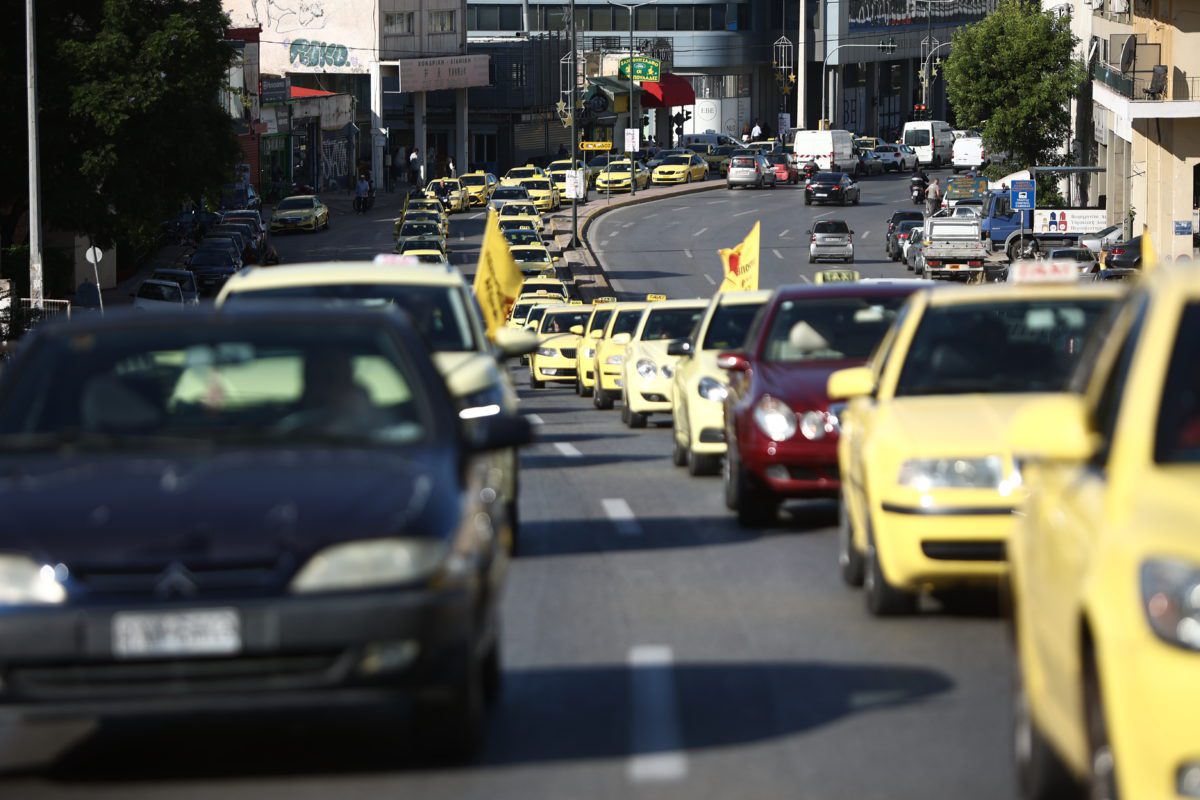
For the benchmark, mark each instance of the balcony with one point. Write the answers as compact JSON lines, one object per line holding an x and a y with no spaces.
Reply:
{"x":1143,"y":94}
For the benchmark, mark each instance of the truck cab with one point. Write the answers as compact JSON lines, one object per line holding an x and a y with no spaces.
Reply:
{"x":1003,"y":228}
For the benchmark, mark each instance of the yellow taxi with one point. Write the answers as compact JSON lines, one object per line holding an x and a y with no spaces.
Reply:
{"x":518,"y":315}
{"x":300,"y":212}
{"x":610,"y":352}
{"x":836,"y":276}
{"x":928,"y":483}
{"x":418,"y":205}
{"x":615,"y":177}
{"x":558,"y":173}
{"x":513,"y":213}
{"x":480,"y":186}
{"x":648,"y":369}
{"x":426,"y":215}
{"x":539,"y":286}
{"x":452,"y":194}
{"x":558,"y":333}
{"x":534,"y":260}
{"x":542,"y":193}
{"x":699,"y":387}
{"x":680,"y":169}
{"x":517,"y":235}
{"x":585,"y":355}
{"x":1105,"y":560}
{"x":440,"y":305}
{"x":516,"y":175}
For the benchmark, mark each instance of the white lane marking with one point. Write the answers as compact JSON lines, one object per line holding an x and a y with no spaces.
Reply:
{"x":534,"y":419}
{"x":826,"y":214}
{"x":462,"y":237}
{"x":649,"y":216}
{"x":700,"y":232}
{"x":621,"y":516}
{"x":715,"y":202}
{"x":567,"y":449}
{"x":786,"y":231}
{"x":476,"y":216}
{"x":683,"y":208}
{"x":654,"y":731}
{"x":744,"y":213}
{"x":804,"y":279}
{"x":710,"y":279}
{"x":688,"y":253}
{"x":604,"y":243}
{"x":778,"y":254}
{"x":865,"y":235}
{"x":628,"y":224}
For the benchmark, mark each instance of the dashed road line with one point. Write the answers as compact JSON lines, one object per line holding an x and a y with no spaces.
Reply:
{"x":654,"y":724}
{"x":747,"y":211}
{"x":567,"y":449}
{"x":688,"y":253}
{"x":786,"y":231}
{"x":865,"y":235}
{"x":534,"y":419}
{"x":621,"y":516}
{"x":700,"y":232}
{"x":710,"y":279}
{"x":778,"y":254}
{"x":476,"y":216}
{"x":804,"y":279}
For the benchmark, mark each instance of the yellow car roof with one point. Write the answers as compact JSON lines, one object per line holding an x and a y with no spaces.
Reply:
{"x":1007,"y":293}
{"x":694,"y":302}
{"x":340,"y":272}
{"x":743,"y":298}
{"x":544,"y":282}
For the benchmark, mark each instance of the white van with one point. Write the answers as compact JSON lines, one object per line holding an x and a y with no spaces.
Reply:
{"x":833,"y":151}
{"x":969,"y":153}
{"x":933,"y":140}
{"x":708,"y":137}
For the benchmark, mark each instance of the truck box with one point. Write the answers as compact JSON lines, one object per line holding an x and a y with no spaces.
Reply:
{"x":953,"y":248}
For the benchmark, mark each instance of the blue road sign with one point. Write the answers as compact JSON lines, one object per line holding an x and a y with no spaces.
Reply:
{"x":1022,"y":195}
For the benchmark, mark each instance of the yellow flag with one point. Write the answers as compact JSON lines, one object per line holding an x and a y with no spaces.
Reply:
{"x":1149,"y":254}
{"x":498,"y":279}
{"x":741,"y":264}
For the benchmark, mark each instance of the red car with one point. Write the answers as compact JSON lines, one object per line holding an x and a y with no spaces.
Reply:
{"x":780,"y":427}
{"x":786,"y":168}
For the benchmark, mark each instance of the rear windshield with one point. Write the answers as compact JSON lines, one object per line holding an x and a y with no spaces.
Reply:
{"x":828,"y":177}
{"x":831,"y":226}
{"x":743,"y":161}
{"x":917,"y":138}
{"x":830,"y":329}
{"x":155,"y":291}
{"x":509,"y":192}
{"x":777,"y":158}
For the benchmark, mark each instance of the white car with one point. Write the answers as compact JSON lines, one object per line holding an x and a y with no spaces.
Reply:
{"x":158,"y":294}
{"x":898,"y":157}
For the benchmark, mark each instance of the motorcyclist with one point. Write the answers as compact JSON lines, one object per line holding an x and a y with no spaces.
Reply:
{"x":919,"y":176}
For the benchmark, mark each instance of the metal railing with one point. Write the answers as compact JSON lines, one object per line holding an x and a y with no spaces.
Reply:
{"x":1136,"y":85}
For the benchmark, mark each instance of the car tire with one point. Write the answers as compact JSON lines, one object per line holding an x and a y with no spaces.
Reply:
{"x":1102,"y":778}
{"x":851,"y":564}
{"x":850,"y":260}
{"x":812,"y":260}
{"x":687,"y":178}
{"x":452,"y":728}
{"x":601,"y":398}
{"x":702,"y":464}
{"x":578,"y":385}
{"x":636,"y":420}
{"x":1041,"y":774}
{"x":807,"y":201}
{"x":884,"y":599}
{"x":857,"y":197}
{"x":755,"y":508}
{"x":679,"y":453}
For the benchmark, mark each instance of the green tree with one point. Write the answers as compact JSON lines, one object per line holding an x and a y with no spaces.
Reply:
{"x":1013,"y":74}
{"x":130,"y":125}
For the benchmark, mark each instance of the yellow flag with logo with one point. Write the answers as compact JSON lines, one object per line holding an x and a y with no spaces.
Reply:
{"x":1149,"y":254}
{"x":741,"y":264}
{"x":498,"y":279}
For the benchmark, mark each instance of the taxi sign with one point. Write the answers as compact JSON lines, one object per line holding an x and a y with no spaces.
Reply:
{"x":606,"y":300}
{"x":1043,"y":271}
{"x":575,"y":303}
{"x":595,"y":145}
{"x":655,"y":298}
{"x":396,"y":260}
{"x":836,"y":276}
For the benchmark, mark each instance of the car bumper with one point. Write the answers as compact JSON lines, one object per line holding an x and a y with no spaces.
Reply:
{"x":743,"y":180}
{"x":614,"y":187}
{"x":585,"y":368}
{"x":555,"y":370}
{"x":668,"y":179}
{"x":611,"y":378}
{"x":295,"y":651}
{"x":942,"y":546}
{"x":298,"y":225}
{"x":796,"y":468}
{"x":831,"y":251}
{"x":544,"y":204}
{"x":831,"y":197}
{"x":706,"y":425}
{"x":648,"y":396}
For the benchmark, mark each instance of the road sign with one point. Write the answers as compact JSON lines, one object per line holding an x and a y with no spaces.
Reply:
{"x":595,"y":145}
{"x":1022,"y":195}
{"x":93,"y":255}
{"x":644,"y":69}
{"x":631,"y":140}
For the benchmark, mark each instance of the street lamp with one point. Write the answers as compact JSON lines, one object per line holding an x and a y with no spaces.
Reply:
{"x":927,"y":74}
{"x":629,"y":8}
{"x":926,"y":78}
{"x":888,"y":46}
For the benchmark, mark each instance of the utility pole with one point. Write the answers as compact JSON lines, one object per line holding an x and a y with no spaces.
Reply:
{"x":631,"y":7}
{"x":574,"y":135}
{"x":926,"y":71}
{"x":35,"y":193}
{"x":801,"y":67}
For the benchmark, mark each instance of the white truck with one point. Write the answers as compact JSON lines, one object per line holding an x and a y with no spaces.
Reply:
{"x":954,"y":249}
{"x":969,"y":153}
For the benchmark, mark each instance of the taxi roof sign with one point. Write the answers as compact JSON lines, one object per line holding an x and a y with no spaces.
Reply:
{"x":655,"y":298}
{"x":606,"y":300}
{"x":595,"y":145}
{"x":1028,"y":271}
{"x":836,"y":276}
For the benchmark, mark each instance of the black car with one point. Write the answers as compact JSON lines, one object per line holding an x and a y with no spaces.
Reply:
{"x":251,"y":253}
{"x":1125,"y":255}
{"x":898,"y":236}
{"x":831,"y":187}
{"x":895,"y":219}
{"x":212,"y":266}
{"x":263,"y":506}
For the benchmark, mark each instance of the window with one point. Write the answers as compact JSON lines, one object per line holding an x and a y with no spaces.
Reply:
{"x":554,"y":18}
{"x":685,"y":18}
{"x":441,"y":21}
{"x":666,"y":18}
{"x":601,"y":19}
{"x":517,"y":75}
{"x":398,"y":24}
{"x":489,"y":18}
{"x":703,"y":18}
{"x":647,"y":19}
{"x":620,"y":19}
{"x":510,"y":18}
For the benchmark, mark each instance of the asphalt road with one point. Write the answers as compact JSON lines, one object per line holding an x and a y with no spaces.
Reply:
{"x":652,"y":648}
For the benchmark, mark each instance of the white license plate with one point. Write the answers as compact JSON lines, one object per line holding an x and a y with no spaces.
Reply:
{"x":215,"y":631}
{"x":821,"y":194}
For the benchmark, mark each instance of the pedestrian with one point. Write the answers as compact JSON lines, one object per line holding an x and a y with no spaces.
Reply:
{"x":361,"y":192}
{"x":933,"y":197}
{"x":450,"y":167}
{"x":413,"y":167}
{"x":756,"y":132}
{"x":562,"y":151}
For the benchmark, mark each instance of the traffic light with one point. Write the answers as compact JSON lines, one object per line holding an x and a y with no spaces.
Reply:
{"x":919,"y":110}
{"x":887,"y":45}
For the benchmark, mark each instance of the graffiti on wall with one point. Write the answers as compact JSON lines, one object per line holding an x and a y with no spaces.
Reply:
{"x":890,"y":13}
{"x":335,"y":163}
{"x":287,"y":16}
{"x":309,"y":35}
{"x":318,"y":54}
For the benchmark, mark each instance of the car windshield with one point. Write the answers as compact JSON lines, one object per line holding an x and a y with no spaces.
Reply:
{"x":429,"y":258}
{"x":283,"y":382}
{"x":510,"y":225}
{"x":563,"y":321}
{"x":831,"y":226}
{"x":209,"y":257}
{"x":519,"y":236}
{"x":1177,"y":437}
{"x":185,"y":282}
{"x":729,"y":324}
{"x":420,"y":229}
{"x":540,"y":185}
{"x":670,"y":323}
{"x":1018,"y":346}
{"x":677,"y":161}
{"x":295,"y":203}
{"x":618,"y":166}
{"x":517,"y":209}
{"x":510,"y":193}
{"x":599,"y":319}
{"x":438,"y":312}
{"x":829,"y":328}
{"x":524,"y":172}
{"x":474,"y":180}
{"x":917,"y":138}
{"x":529,"y":256}
{"x":627,"y":321}
{"x":885,"y":148}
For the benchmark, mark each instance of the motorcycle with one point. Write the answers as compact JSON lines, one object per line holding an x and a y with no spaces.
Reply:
{"x":917,"y":190}
{"x":810,"y":169}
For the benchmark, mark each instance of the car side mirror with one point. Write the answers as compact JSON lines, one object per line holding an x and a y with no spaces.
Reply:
{"x":679,"y":347}
{"x":622,"y":338}
{"x":499,"y":431}
{"x":1053,"y":428}
{"x":848,"y":383}
{"x":577,"y":330}
{"x":733,"y":362}
{"x":513,"y":342}
{"x":596,"y":334}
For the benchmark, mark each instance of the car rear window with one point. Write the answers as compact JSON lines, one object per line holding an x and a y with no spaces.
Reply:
{"x":829,"y":328}
{"x":916,"y":138}
{"x":729,"y":325}
{"x":831,"y":226}
{"x":745,"y":162}
{"x":670,"y":323}
{"x":828,"y":177}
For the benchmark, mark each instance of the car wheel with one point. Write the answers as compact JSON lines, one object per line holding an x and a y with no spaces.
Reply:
{"x":883,"y":599}
{"x":1041,"y":774}
{"x":701,"y":464}
{"x":679,"y":453}
{"x":453,"y":727}
{"x":755,"y":508}
{"x":534,"y":383}
{"x":850,"y":260}
{"x":578,"y":385}
{"x":636,"y":420}
{"x":812,"y":260}
{"x":601,"y":398}
{"x":1102,"y":778}
{"x":850,"y":561}
{"x":857,"y":197}
{"x":688,"y":178}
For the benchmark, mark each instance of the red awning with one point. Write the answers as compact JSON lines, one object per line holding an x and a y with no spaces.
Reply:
{"x":300,"y":91}
{"x":672,"y":90}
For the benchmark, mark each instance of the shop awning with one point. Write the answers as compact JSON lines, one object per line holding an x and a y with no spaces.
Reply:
{"x":671,"y":90}
{"x":612,"y":87}
{"x":300,"y":91}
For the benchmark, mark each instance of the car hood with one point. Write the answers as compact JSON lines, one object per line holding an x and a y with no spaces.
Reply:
{"x":965,"y":425}
{"x":237,"y":506}
{"x":467,"y":373}
{"x":299,"y":213}
{"x":801,"y":384}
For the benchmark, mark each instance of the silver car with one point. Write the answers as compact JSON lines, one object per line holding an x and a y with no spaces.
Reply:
{"x":1100,"y":239}
{"x":750,"y":170}
{"x":913,"y":253}
{"x":831,"y":239}
{"x":1082,"y":256}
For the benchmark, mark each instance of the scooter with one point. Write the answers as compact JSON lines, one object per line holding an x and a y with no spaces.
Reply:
{"x":917,"y":190}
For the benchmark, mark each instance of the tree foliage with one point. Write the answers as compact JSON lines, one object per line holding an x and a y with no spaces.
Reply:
{"x":1013,"y":74}
{"x":130,"y":124}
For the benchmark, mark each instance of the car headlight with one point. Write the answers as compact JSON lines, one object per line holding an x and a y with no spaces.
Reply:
{"x":775,"y":419}
{"x":646,"y":368}
{"x":615,"y":361}
{"x":924,"y":474}
{"x":712,"y":389}
{"x":816,"y":425}
{"x":546,"y":352}
{"x":25,"y":582}
{"x":369,"y":564}
{"x":1171,"y":596}
{"x":667,"y":372}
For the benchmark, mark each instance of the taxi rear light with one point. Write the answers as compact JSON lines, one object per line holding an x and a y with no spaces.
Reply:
{"x":974,"y":263}
{"x":1117,"y":251}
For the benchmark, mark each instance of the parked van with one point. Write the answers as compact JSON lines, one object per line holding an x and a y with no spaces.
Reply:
{"x":969,"y":153}
{"x":833,"y":151}
{"x":708,"y":137}
{"x":933,"y":140}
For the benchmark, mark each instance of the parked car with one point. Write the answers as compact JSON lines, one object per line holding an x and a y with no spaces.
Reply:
{"x":831,"y":239}
{"x":895,"y":219}
{"x":185,"y":279}
{"x":300,"y":212}
{"x":240,"y":196}
{"x":785,"y":166}
{"x":158,"y":294}
{"x":212,"y":267}
{"x":869,"y":163}
{"x":1084,"y":258}
{"x":780,"y":427}
{"x":1102,"y":238}
{"x":914,"y":250}
{"x":224,"y":244}
{"x":899,"y":237}
{"x":831,"y":187}
{"x":227,"y":447}
{"x":718,"y":159}
{"x":750,"y":170}
{"x":1125,"y":255}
